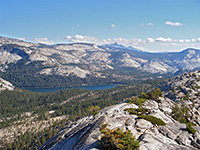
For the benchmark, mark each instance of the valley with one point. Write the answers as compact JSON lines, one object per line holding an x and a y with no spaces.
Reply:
{"x":41,"y":120}
{"x":153,"y":119}
{"x":99,"y":75}
{"x":42,"y":115}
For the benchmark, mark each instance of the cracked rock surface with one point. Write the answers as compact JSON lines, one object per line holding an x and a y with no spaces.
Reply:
{"x":84,"y":133}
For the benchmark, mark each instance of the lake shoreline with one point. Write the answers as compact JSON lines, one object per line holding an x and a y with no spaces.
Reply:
{"x":54,"y":89}
{"x":83,"y":85}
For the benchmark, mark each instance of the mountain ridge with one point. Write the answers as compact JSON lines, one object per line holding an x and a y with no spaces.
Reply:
{"x":130,"y":115}
{"x":83,"y":61}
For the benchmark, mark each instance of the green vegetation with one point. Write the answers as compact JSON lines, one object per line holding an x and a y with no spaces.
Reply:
{"x":23,"y":74}
{"x":197,"y":87}
{"x":181,"y":114}
{"x":153,"y":120}
{"x":15,"y":103}
{"x":117,"y":140}
{"x":189,"y":128}
{"x":186,"y":97}
{"x":34,"y":140}
{"x":72,"y":103}
{"x":94,"y":109}
{"x":144,"y":95}
{"x":138,"y":111}
{"x":136,"y":100}
{"x":155,"y":94}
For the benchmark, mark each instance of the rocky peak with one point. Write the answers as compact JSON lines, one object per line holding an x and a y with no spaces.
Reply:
{"x":162,"y":131}
{"x":183,"y":87}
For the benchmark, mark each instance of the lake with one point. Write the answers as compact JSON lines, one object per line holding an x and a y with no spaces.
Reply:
{"x":46,"y":90}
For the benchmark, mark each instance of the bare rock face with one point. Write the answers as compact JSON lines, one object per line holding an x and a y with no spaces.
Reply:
{"x":142,"y":124}
{"x":172,"y":130}
{"x":153,"y":105}
{"x":166,"y":105}
{"x":95,"y":58}
{"x":184,"y":139}
{"x":84,"y":133}
{"x":5,"y":85}
{"x":156,"y":141}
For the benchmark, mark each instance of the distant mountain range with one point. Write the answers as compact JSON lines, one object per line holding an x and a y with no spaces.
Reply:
{"x":34,"y":64}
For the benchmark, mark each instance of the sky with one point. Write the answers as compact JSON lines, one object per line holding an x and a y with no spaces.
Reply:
{"x":149,"y":25}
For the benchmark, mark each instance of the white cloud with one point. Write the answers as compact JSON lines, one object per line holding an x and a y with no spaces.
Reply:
{"x":187,"y":40}
{"x":151,"y":40}
{"x":150,"y":44}
{"x":81,"y":38}
{"x":193,"y":40}
{"x":175,"y":24}
{"x":150,"y":24}
{"x":161,"y":39}
{"x":88,"y":39}
{"x":181,"y":41}
{"x":43,"y":40}
{"x":112,"y":25}
{"x":147,"y":24}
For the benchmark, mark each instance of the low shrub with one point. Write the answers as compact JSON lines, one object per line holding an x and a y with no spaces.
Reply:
{"x":153,"y":120}
{"x":117,"y":140}
{"x":180,"y":113}
{"x":136,"y":100}
{"x":138,"y":111}
{"x":189,"y":128}
{"x":186,"y":97}
{"x":155,"y":94}
{"x":144,"y":95}
{"x":198,"y":87}
{"x":93,"y":110}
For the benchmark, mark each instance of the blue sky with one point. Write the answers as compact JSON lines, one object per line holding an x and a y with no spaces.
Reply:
{"x":151,"y":25}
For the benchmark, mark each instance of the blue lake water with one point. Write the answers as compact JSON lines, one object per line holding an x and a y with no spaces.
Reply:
{"x":46,"y":90}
